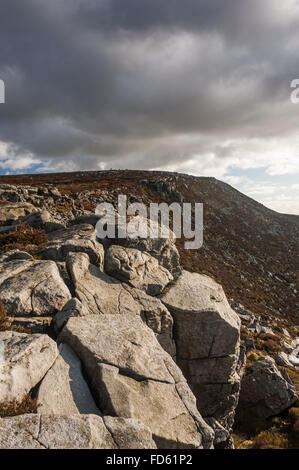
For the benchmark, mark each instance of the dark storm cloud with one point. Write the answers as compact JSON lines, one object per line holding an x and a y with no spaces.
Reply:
{"x":114,"y":81}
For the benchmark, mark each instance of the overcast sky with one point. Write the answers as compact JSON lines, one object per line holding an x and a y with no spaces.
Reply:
{"x":195,"y":86}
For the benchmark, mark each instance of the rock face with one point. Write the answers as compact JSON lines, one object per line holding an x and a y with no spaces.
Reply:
{"x":40,"y":288}
{"x":282,"y":359}
{"x":79,"y":238}
{"x":160,"y":242}
{"x":11,"y":213}
{"x":137,"y":268}
{"x":102,"y":294}
{"x":63,"y":390}
{"x":129,"y":433}
{"x":43,"y":220}
{"x":24,"y":360}
{"x":265,"y":391}
{"x":207,"y":335}
{"x":15,"y":255}
{"x":73,"y":432}
{"x":73,"y":308}
{"x":131,"y":376}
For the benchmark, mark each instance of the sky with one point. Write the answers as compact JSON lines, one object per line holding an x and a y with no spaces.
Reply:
{"x":194,"y":86}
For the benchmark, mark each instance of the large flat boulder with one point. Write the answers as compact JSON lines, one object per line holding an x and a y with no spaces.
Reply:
{"x":63,"y":390}
{"x":265,"y":391}
{"x":137,"y":268}
{"x":42,"y":219}
{"x":31,"y":287}
{"x":208,"y":343}
{"x":24,"y":360}
{"x":73,"y":432}
{"x":78,"y":238}
{"x":13,"y":212}
{"x":103,"y":294}
{"x":131,"y":376}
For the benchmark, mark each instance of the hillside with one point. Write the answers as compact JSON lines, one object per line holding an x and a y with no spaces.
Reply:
{"x":251,"y":250}
{"x":122,"y":328}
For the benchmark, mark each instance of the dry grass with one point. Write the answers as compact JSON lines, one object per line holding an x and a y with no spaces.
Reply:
{"x":23,"y":236}
{"x":6,"y":323}
{"x":271,"y":440}
{"x":28,"y":405}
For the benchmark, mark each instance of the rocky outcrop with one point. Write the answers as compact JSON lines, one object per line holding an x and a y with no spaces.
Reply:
{"x":137,"y":268}
{"x":31,"y":324}
{"x":13,"y":255}
{"x":24,"y":360}
{"x":102,"y":294}
{"x":40,"y":288}
{"x":282,"y":359}
{"x":79,"y":238}
{"x":73,"y":308}
{"x":110,"y":362}
{"x":131,"y":376}
{"x":73,"y":432}
{"x":12,"y":213}
{"x":63,"y":390}
{"x":159,"y":242}
{"x":43,"y":220}
{"x":129,"y":433}
{"x":207,"y":333}
{"x":265,"y":391}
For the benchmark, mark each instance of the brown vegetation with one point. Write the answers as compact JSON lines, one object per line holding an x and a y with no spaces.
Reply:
{"x":22,"y":237}
{"x":28,"y":405}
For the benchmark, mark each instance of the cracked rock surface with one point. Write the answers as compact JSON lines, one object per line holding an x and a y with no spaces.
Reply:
{"x":64,"y":390}
{"x":73,"y":432}
{"x":24,"y":360}
{"x":265,"y":390}
{"x":103,"y":294}
{"x":137,"y":268}
{"x":78,"y":238}
{"x":131,"y":376}
{"x":208,"y":343}
{"x":31,"y":287}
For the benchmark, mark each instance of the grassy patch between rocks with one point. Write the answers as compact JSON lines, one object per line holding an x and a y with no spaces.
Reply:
{"x":28,"y":405}
{"x":279,"y":432}
{"x":23,"y":237}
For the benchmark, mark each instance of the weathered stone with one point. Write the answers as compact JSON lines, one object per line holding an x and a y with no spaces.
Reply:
{"x":206,"y":325}
{"x":159,"y":242}
{"x":221,"y":434}
{"x":72,"y":432}
{"x":137,"y":268}
{"x":208,"y":343}
{"x":131,"y":376}
{"x":129,"y":433}
{"x":40,"y":288}
{"x":64,"y":390}
{"x":14,"y":212}
{"x":102,"y":294}
{"x":264,"y":391}
{"x":90,"y":219}
{"x":43,"y":220}
{"x":13,"y":255}
{"x":32,"y":324}
{"x":282,"y":359}
{"x":73,"y":308}
{"x":24,"y":360}
{"x":79,"y":238}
